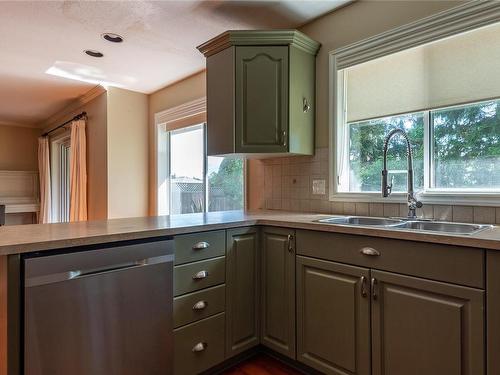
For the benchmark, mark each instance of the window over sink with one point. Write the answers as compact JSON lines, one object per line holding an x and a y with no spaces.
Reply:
{"x":444,"y":92}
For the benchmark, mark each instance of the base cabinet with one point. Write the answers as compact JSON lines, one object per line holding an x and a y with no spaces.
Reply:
{"x":425,"y":327}
{"x":242,"y":290}
{"x":333,"y":317}
{"x":278,"y":290}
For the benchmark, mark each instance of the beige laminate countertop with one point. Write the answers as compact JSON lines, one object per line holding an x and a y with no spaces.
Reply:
{"x":38,"y":237}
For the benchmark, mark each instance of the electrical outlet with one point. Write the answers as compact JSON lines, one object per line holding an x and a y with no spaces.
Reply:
{"x":319,"y":187}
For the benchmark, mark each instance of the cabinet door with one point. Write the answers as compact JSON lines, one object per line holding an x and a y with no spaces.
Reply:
{"x":278,"y":290}
{"x":242,"y":290}
{"x":261,"y":102}
{"x":333,"y":317}
{"x":425,"y":327}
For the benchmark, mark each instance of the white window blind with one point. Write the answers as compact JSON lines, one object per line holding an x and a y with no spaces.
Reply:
{"x":460,"y":69}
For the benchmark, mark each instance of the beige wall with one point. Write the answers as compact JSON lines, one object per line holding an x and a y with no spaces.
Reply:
{"x":355,"y":22}
{"x":127,"y":153}
{"x":19,"y":148}
{"x":96,"y":153}
{"x":191,"y":88}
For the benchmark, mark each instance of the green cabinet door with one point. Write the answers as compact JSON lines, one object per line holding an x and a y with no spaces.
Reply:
{"x":242,"y":290}
{"x":261,"y":94}
{"x":333,"y":317}
{"x":425,"y":327}
{"x":278,"y":290}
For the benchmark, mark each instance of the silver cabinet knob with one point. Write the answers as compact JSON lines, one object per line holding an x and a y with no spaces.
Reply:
{"x":201,"y":346}
{"x":370,"y":251}
{"x":200,"y":275}
{"x":306,"y":107}
{"x":201,"y":245}
{"x":200,"y":305}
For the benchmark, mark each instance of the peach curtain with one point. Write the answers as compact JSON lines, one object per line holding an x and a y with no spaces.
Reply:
{"x":78,"y":172}
{"x":44,"y":216}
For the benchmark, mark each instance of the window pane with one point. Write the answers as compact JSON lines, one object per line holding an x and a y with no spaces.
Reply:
{"x":366,"y":139}
{"x":187,"y":188}
{"x":225,"y":184}
{"x":467,"y":146}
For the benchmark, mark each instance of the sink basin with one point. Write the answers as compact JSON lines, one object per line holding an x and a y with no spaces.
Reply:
{"x":416,"y":225}
{"x":363,"y":221}
{"x":443,"y":227}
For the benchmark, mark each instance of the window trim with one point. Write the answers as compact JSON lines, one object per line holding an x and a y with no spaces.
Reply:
{"x":465,"y":17}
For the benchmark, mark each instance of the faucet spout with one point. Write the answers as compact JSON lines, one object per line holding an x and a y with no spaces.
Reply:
{"x":413,"y":203}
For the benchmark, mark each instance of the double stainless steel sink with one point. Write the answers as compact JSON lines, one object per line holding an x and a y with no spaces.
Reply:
{"x":408,"y":224}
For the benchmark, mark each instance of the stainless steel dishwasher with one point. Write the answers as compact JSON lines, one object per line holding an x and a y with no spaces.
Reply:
{"x":104,"y":311}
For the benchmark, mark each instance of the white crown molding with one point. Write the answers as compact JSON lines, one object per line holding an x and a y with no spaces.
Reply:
{"x":93,"y":93}
{"x":189,"y":109}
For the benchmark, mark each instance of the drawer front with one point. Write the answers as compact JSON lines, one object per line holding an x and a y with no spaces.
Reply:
{"x":199,"y":246}
{"x":199,"y":275}
{"x":199,"y":346}
{"x":199,"y":305}
{"x":453,"y":264}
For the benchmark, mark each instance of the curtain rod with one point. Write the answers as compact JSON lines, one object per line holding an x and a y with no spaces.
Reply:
{"x":77,"y":117}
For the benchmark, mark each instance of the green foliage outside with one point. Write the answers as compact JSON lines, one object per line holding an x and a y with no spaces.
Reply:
{"x":226,"y":186}
{"x":466,"y":148}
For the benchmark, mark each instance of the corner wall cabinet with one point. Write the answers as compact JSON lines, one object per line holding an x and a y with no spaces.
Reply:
{"x":260,"y":93}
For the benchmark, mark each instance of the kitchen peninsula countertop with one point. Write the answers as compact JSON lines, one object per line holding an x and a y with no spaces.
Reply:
{"x":38,"y":237}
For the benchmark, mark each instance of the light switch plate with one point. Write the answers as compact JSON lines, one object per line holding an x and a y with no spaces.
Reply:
{"x":319,"y":187}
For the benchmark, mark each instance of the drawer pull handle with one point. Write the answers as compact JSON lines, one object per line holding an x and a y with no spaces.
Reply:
{"x":200,"y":305}
{"x":370,"y":251}
{"x":200,"y":275}
{"x":290,"y":243}
{"x":201,"y":346}
{"x":201,"y":245}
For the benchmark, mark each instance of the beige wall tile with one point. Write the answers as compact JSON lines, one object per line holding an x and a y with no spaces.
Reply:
{"x":463,"y":214}
{"x":305,"y":205}
{"x":443,"y":213}
{"x":498,"y":215}
{"x":362,"y":209}
{"x":484,"y":215}
{"x":349,"y":208}
{"x":391,"y":209}
{"x":337,"y":208}
{"x":426,"y":211}
{"x":376,"y":209}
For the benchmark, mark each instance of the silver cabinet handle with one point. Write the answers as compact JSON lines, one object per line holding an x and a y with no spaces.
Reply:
{"x":200,"y":275}
{"x":370,"y":251}
{"x":306,"y":107}
{"x":201,"y":245}
{"x":200,"y":305}
{"x":374,"y":288}
{"x":290,"y":243}
{"x":201,"y":346}
{"x":284,"y":138}
{"x":364,"y":292}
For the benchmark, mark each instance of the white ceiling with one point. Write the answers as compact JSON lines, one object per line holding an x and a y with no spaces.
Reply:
{"x":159,"y":47}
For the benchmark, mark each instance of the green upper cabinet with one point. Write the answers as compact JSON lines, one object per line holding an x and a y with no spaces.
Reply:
{"x":260,"y":93}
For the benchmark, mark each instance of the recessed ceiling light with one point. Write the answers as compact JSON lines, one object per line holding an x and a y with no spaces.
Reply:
{"x":113,"y":38}
{"x":93,"y":53}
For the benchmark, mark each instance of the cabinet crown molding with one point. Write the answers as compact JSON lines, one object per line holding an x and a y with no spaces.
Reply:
{"x":259,"y":38}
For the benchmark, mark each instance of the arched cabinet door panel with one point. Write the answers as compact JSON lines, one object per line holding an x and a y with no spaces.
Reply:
{"x":262,"y":99}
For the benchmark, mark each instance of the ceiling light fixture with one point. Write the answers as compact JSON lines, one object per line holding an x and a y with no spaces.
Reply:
{"x":113,"y":38}
{"x":93,"y":53}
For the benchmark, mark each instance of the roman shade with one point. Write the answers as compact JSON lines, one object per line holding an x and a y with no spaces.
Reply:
{"x":460,"y":69}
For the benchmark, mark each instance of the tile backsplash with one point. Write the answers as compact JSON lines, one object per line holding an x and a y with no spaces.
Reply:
{"x":301,"y":184}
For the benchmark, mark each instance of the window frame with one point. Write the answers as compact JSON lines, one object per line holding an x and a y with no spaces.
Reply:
{"x":188,"y":115}
{"x":59,"y":158}
{"x":454,"y":21}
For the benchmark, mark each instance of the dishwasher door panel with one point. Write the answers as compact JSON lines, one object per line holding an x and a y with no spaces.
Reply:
{"x":106,"y":323}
